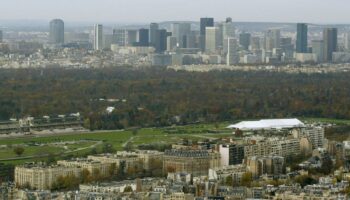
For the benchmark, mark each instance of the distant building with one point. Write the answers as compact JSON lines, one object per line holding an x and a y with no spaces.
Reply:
{"x":272,"y":39}
{"x":120,"y":37}
{"x":56,"y":31}
{"x":306,"y":57}
{"x":143,"y":40}
{"x":273,"y":146}
{"x":330,"y":39}
{"x":42,"y":177}
{"x":221,"y":173}
{"x":301,"y":44}
{"x":270,"y":165}
{"x":314,"y":134}
{"x":1,"y":36}
{"x":195,"y":162}
{"x":92,"y":166}
{"x":181,"y":31}
{"x":232,"y":56}
{"x":212,"y":39}
{"x":244,"y":40}
{"x":131,"y":37}
{"x":318,"y":49}
{"x":231,"y":154}
{"x":171,"y":43}
{"x":98,"y":37}
{"x":153,"y":37}
{"x":204,"y":23}
{"x":160,"y":42}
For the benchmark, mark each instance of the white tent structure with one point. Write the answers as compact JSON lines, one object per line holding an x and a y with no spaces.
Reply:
{"x":266,"y":124}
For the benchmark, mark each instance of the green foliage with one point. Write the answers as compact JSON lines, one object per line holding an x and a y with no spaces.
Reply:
{"x":18,"y":151}
{"x":168,"y":97}
{"x":128,"y":189}
{"x":304,"y":180}
{"x":247,"y":179}
{"x":69,"y":182}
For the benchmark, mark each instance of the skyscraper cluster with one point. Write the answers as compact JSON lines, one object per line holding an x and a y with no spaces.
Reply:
{"x":217,"y":42}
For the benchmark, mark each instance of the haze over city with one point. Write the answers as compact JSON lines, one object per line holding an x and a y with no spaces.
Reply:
{"x":144,"y":11}
{"x":174,"y":99}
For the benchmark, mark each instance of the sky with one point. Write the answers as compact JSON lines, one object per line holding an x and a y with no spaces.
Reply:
{"x":145,"y":11}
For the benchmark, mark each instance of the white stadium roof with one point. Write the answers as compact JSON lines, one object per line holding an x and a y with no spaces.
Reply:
{"x":267,"y":124}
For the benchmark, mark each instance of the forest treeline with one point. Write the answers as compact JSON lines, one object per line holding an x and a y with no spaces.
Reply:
{"x":157,"y":97}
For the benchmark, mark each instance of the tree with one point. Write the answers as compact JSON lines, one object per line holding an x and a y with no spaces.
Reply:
{"x":135,"y":131}
{"x":304,"y":180}
{"x":121,"y":171}
{"x":247,"y":179}
{"x":327,"y":165}
{"x":128,"y":189}
{"x":107,"y":148}
{"x":86,"y":176}
{"x":18,"y":151}
{"x":229,"y":181}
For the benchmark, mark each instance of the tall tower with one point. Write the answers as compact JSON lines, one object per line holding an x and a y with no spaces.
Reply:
{"x":143,"y":37}
{"x":212,"y":39}
{"x":272,"y":39}
{"x":1,"y":36}
{"x":56,"y":31}
{"x":204,"y":23}
{"x":301,"y":46}
{"x":244,"y":40}
{"x":330,"y":39}
{"x":153,"y":28}
{"x":181,"y":31}
{"x":98,"y":37}
{"x":232,"y":55}
{"x":318,"y":48}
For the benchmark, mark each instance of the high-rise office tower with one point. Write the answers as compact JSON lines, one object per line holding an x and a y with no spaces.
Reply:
{"x":244,"y":40}
{"x":120,"y":37}
{"x":212,"y":39}
{"x":56,"y":31}
{"x":1,"y":36}
{"x":330,"y":39}
{"x":232,"y":56}
{"x":228,"y":28}
{"x":347,"y":41}
{"x":171,"y":43}
{"x":272,"y":39}
{"x":287,"y":47}
{"x":98,"y":37}
{"x":228,"y":31}
{"x":255,"y":43}
{"x":181,"y":31}
{"x":318,"y":48}
{"x":143,"y":37}
{"x":132,"y":37}
{"x":204,"y":23}
{"x":153,"y":28}
{"x":161,"y":40}
{"x":301,"y":46}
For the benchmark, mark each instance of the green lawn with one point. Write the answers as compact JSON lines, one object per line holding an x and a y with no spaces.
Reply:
{"x":327,"y":120}
{"x":117,"y":139}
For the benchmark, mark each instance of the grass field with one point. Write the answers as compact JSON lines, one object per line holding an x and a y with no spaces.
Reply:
{"x":117,"y":139}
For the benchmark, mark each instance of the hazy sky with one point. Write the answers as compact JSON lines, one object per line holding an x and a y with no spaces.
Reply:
{"x":313,"y":11}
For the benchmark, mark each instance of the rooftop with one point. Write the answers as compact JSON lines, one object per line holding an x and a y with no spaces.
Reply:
{"x":268,"y":124}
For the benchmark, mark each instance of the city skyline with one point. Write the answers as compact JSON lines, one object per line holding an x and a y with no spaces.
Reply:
{"x":137,"y":11}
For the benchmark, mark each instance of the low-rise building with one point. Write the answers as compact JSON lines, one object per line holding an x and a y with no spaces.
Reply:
{"x":42,"y":177}
{"x":195,"y":162}
{"x":94,"y":167}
